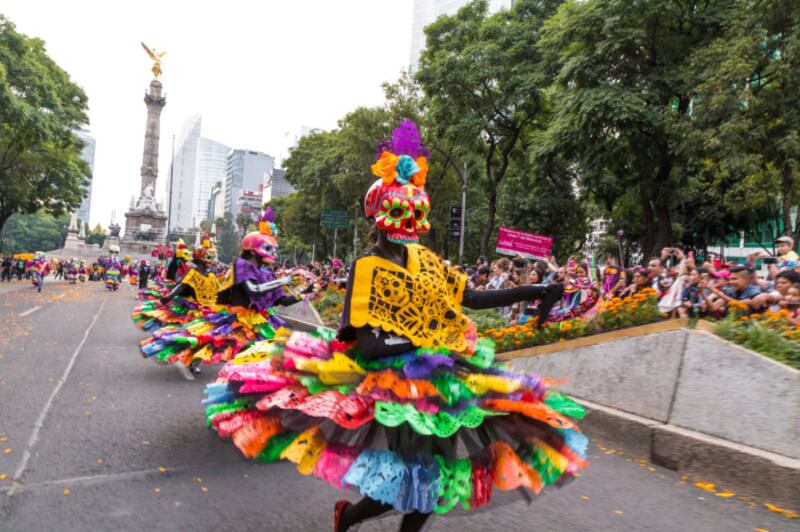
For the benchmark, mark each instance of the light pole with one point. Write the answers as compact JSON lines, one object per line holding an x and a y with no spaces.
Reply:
{"x":463,"y":216}
{"x":171,"y":173}
{"x":463,"y":170}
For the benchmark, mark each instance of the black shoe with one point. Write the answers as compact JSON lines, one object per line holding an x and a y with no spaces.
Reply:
{"x":195,"y":369}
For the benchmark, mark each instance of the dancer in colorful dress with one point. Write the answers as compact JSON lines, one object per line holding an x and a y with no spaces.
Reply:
{"x":408,"y":406}
{"x":83,"y":271}
{"x":39,"y":268}
{"x":71,"y":271}
{"x":230,"y":315}
{"x":112,"y":275}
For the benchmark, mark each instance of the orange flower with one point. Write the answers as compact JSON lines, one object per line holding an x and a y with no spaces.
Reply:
{"x":419,"y":178}
{"x":385,"y":167}
{"x":744,"y":318}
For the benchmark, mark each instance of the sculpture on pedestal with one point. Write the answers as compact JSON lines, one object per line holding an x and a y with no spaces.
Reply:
{"x":145,"y":222}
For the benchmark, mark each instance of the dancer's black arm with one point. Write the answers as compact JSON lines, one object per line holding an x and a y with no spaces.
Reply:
{"x":254,"y":289}
{"x":482,"y":299}
{"x":179,"y":290}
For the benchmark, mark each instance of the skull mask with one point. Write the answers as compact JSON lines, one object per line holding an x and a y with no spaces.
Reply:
{"x":399,"y":210}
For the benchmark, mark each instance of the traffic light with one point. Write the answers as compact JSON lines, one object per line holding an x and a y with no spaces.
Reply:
{"x":455,"y":222}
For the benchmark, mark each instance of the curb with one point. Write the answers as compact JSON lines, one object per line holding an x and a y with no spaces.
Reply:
{"x":743,"y":469}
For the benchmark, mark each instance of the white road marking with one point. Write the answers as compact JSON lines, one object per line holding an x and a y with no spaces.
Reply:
{"x":37,"y":426}
{"x":30,"y":311}
{"x":109,"y":477}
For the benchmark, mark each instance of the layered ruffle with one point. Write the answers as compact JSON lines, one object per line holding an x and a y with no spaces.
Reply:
{"x":213,"y":335}
{"x":426,"y":431}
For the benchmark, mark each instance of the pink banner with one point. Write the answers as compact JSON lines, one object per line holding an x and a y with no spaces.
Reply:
{"x":528,"y":245}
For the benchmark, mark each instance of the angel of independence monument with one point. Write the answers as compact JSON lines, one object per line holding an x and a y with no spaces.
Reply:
{"x":145,"y":221}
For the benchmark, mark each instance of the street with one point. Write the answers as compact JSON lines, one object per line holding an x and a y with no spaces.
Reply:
{"x":93,"y":437}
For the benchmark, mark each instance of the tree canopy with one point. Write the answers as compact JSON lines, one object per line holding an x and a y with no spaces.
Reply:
{"x":40,"y":109}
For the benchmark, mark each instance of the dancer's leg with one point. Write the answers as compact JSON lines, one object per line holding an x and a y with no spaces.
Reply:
{"x":414,"y":522}
{"x":364,"y":509}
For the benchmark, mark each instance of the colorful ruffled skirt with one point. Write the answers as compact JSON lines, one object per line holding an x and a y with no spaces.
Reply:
{"x":216,"y":334}
{"x":426,"y":431}
{"x":112,"y":282}
{"x":152,"y":314}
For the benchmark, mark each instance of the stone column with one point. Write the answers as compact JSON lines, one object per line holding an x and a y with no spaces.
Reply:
{"x":155,"y":102}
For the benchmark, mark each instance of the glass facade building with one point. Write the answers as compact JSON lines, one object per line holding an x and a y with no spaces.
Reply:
{"x":247,"y":171}
{"x":199,"y":163}
{"x":88,"y":155}
{"x":276,"y":185}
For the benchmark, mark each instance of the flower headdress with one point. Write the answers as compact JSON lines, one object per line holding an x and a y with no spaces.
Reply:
{"x":403,"y":159}
{"x":266,"y":223}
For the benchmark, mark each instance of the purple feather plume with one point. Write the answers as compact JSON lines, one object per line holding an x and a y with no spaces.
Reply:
{"x":406,"y":140}
{"x":268,"y":216}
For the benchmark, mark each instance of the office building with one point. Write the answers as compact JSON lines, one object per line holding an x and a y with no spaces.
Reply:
{"x":212,"y":162}
{"x":216,"y":203}
{"x":276,"y":185}
{"x":88,"y":155}
{"x":199,"y":163}
{"x":246,"y":172}
{"x":249,"y":203}
{"x":427,"y":11}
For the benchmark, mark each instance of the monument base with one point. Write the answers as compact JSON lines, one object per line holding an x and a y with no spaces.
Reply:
{"x":75,"y":247}
{"x":145,"y":226}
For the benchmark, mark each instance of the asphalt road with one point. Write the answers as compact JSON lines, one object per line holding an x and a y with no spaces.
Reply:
{"x":93,"y":437}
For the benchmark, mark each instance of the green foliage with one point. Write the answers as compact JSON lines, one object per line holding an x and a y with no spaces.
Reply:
{"x":230,"y":239}
{"x":330,"y":304}
{"x":26,"y":233}
{"x":96,"y":235}
{"x":483,"y":77}
{"x":761,"y":339}
{"x":485,"y":319}
{"x":40,"y":108}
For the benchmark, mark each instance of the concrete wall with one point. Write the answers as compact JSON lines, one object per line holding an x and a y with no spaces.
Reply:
{"x":690,"y":379}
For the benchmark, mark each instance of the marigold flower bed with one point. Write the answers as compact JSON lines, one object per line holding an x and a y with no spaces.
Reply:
{"x":616,"y":313}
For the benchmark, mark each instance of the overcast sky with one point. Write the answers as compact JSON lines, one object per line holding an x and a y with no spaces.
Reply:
{"x":253,"y":69}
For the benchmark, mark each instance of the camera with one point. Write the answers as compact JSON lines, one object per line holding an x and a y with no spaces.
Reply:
{"x":770,"y":260}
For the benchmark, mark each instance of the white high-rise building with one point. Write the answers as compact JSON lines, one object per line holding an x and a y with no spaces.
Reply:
{"x":427,"y":11}
{"x":198,"y":164}
{"x":212,"y":160}
{"x":88,"y":155}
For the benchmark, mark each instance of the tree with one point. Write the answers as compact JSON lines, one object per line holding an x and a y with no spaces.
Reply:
{"x":26,"y":233}
{"x":40,"y":108}
{"x":748,"y":121}
{"x":483,"y":77}
{"x":205,"y":225}
{"x":230,"y":239}
{"x":96,"y":236}
{"x":624,"y":97}
{"x":243,"y":221}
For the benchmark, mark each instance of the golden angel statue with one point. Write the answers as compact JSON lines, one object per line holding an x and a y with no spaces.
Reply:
{"x":156,"y":57}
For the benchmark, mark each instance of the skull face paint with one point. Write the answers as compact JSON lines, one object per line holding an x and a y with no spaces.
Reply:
{"x":403,"y":212}
{"x":263,"y":245}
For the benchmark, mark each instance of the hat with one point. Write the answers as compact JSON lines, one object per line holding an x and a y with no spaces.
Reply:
{"x":721,"y":274}
{"x":785,"y":240}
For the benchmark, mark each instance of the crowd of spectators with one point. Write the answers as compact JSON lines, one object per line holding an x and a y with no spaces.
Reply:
{"x":685,"y":285}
